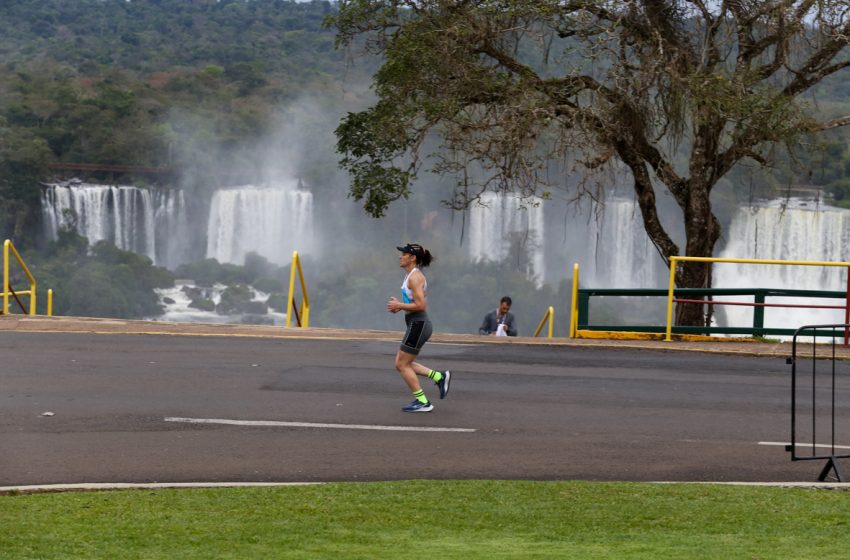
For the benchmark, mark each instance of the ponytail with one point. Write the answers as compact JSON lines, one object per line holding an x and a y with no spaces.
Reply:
{"x":425,"y":258}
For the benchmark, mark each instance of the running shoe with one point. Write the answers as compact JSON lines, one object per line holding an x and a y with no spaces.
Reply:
{"x":443,"y":383}
{"x":417,"y":406}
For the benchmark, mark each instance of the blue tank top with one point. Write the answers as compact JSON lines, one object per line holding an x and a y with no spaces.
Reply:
{"x":406,"y":292}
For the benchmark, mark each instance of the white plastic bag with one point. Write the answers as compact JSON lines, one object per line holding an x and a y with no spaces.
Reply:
{"x":501,"y":330}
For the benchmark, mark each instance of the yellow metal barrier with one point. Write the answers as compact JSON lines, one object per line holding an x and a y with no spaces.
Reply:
{"x":574,"y":305}
{"x":675,"y":260}
{"x":302,"y":316}
{"x":7,"y":288}
{"x":550,"y":314}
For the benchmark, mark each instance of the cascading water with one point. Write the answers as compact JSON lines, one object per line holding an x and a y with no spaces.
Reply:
{"x":497,"y":221}
{"x":786,"y":230}
{"x":614,"y":250}
{"x":173,"y":230}
{"x":128,"y":216}
{"x":272,"y":221}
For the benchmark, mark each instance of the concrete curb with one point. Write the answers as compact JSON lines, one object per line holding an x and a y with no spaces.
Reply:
{"x":109,"y":486}
{"x":99,"y":486}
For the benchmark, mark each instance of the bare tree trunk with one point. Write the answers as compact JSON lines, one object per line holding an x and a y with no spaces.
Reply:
{"x":646,"y":200}
{"x":702,"y":230}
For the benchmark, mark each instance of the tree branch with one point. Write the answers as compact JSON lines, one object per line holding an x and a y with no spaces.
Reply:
{"x":801,"y":84}
{"x":815,"y":68}
{"x":834,"y":123}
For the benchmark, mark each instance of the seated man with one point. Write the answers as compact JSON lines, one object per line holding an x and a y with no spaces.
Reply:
{"x":500,"y":321}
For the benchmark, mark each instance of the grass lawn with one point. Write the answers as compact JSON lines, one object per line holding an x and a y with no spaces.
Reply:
{"x":434,"y":519}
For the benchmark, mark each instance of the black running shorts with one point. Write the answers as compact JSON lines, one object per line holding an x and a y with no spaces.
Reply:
{"x":417,"y":334}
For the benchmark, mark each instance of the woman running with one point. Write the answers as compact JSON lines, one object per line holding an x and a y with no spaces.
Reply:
{"x":415,"y":304}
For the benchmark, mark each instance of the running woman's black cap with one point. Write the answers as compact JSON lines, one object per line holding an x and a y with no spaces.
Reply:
{"x":413,"y":249}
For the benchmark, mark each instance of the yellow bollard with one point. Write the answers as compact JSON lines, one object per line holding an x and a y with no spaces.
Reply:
{"x":574,"y":305}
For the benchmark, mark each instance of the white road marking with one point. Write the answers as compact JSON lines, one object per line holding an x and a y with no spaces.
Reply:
{"x":783,"y":444}
{"x":274,"y":423}
{"x":31,"y":489}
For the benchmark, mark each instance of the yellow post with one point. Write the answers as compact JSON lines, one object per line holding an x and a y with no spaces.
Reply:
{"x":669,"y":335}
{"x":550,"y":314}
{"x":33,"y":310}
{"x":8,"y":247}
{"x":50,"y":302}
{"x":574,"y":305}
{"x":7,"y":288}
{"x":305,"y":299}
{"x":291,"y":289}
{"x":6,"y":277}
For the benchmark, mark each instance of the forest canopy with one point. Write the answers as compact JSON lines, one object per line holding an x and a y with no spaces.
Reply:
{"x":166,"y":83}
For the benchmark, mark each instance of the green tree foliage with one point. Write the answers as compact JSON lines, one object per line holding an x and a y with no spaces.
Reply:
{"x":257,"y":272}
{"x":151,"y":35}
{"x":23,"y":156}
{"x":97,"y":281}
{"x":165,"y":83}
{"x":638,"y":86}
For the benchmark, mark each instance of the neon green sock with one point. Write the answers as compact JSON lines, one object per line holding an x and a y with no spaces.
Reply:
{"x":420,"y":396}
{"x":435,"y":375}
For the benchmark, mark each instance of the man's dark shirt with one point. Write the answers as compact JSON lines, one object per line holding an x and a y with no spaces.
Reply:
{"x":492,"y":320}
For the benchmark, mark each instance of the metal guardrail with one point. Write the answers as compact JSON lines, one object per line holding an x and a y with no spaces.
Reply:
{"x":671,"y":291}
{"x":302,"y":315}
{"x":550,"y":315}
{"x":759,"y":295}
{"x":813,"y":402}
{"x":579,"y":309}
{"x":9,"y":248}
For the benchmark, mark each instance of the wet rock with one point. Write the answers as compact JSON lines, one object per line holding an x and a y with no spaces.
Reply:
{"x":256,"y":320}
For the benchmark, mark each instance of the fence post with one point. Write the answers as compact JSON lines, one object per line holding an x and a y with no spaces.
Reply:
{"x":669,"y":331}
{"x":290,"y":300}
{"x":583,"y":311}
{"x":574,"y":304}
{"x":847,"y":309}
{"x":758,"y":314}
{"x":6,"y":276}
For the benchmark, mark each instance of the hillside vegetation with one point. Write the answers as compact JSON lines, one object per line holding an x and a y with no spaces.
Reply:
{"x":166,"y":83}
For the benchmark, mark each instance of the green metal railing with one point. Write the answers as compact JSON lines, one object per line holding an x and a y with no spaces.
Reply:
{"x":759,"y":302}
{"x":675,"y":260}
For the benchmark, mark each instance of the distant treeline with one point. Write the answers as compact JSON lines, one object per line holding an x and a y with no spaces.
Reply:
{"x":275,"y":37}
{"x":168,"y":83}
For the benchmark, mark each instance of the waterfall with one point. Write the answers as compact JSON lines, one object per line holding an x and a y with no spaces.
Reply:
{"x":134,"y":219}
{"x":608,"y":241}
{"x":272,"y":221}
{"x":614,"y":249}
{"x":123,"y":215}
{"x":498,"y":221}
{"x":173,"y":231}
{"x":789,"y":231}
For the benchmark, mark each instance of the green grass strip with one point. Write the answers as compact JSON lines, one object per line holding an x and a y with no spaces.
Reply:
{"x":435,"y":519}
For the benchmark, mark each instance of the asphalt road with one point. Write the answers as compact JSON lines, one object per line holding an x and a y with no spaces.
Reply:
{"x":531,"y":412}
